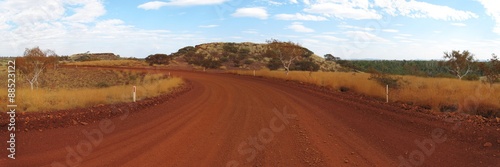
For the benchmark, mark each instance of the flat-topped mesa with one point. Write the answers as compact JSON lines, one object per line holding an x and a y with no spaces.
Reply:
{"x":94,"y":56}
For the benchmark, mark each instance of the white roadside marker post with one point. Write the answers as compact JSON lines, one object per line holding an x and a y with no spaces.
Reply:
{"x":134,"y":93}
{"x":387,"y":94}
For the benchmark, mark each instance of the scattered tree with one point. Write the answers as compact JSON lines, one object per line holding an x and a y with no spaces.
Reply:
{"x":34,"y":62}
{"x":287,"y":52}
{"x":330,"y":57}
{"x":491,"y":70}
{"x":384,"y":79}
{"x":459,"y":64}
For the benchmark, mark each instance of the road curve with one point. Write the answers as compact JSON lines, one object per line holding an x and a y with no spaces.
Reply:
{"x":230,"y":120}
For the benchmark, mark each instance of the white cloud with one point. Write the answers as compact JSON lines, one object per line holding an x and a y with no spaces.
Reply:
{"x":406,"y":35}
{"x":354,"y":9}
{"x":459,"y":24}
{"x":154,"y":5}
{"x":416,"y":9}
{"x":275,"y":3}
{"x":493,"y":9}
{"x":75,"y":26}
{"x":208,"y":26}
{"x":307,"y":2}
{"x":329,"y":38}
{"x":91,"y":10}
{"x":390,"y":30}
{"x":362,"y":36}
{"x":299,"y":27}
{"x":294,"y":1}
{"x":299,"y":16}
{"x":256,"y":12}
{"x":356,"y":27}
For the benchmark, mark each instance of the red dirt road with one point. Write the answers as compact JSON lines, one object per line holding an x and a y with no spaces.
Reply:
{"x":240,"y":120}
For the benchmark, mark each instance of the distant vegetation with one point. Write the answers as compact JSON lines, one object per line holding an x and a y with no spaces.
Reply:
{"x":456,"y":64}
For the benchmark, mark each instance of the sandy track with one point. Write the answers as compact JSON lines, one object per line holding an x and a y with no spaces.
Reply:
{"x":229,"y":120}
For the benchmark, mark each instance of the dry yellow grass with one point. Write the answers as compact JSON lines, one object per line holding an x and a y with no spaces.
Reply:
{"x":112,"y":63}
{"x":45,"y":100}
{"x":435,"y":92}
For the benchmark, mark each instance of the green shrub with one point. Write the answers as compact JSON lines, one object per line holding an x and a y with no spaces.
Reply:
{"x":384,"y":79}
{"x":306,"y":66}
{"x":274,"y":64}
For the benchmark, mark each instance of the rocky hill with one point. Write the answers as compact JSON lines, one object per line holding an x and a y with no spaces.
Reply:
{"x":246,"y":55}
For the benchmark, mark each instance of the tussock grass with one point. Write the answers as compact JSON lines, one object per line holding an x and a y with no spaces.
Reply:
{"x":46,"y":100}
{"x":111,"y":63}
{"x":438,"y":92}
{"x":433,"y":92}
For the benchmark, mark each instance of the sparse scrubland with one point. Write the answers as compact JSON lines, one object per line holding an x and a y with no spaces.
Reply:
{"x":67,"y":88}
{"x":110,"y":63}
{"x":439,"y":94}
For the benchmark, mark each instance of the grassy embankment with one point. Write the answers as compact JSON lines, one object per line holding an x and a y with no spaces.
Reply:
{"x":66,"y":88}
{"x":473,"y":97}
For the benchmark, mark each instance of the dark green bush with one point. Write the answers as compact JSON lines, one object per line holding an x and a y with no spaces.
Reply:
{"x":274,"y":64}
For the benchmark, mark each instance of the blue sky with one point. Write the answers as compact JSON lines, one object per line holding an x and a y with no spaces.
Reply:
{"x":350,"y":29}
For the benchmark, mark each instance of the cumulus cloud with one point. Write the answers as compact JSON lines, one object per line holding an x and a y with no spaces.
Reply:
{"x":299,"y":16}
{"x":299,"y":27}
{"x":493,"y":9}
{"x":416,"y":9}
{"x":344,"y":26}
{"x":357,"y":9}
{"x":366,"y":9}
{"x":90,"y":10}
{"x":75,"y":26}
{"x":154,"y":5}
{"x":363,"y":36}
{"x":255,"y":12}
{"x":390,"y":30}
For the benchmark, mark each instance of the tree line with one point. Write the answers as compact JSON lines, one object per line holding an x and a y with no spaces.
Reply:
{"x":455,"y":64}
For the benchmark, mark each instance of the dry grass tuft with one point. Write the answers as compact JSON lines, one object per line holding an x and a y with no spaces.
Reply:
{"x":434,"y":92}
{"x":46,"y":100}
